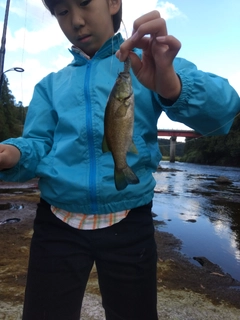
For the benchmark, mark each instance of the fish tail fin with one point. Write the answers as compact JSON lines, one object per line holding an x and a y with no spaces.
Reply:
{"x":124,"y":177}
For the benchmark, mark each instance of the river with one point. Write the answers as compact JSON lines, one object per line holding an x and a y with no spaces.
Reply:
{"x":202,"y":213}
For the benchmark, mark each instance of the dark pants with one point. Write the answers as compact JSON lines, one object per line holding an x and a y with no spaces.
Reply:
{"x":62,"y":257}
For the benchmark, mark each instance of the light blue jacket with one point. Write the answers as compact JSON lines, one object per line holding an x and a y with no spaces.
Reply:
{"x":62,"y":138}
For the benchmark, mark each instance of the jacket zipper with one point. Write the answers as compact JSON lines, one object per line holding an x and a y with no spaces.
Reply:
{"x":92,"y":156}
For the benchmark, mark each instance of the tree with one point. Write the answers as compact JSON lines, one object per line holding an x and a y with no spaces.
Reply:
{"x":12,"y":115}
{"x":216,"y":150}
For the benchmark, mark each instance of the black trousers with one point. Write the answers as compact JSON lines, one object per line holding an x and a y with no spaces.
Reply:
{"x":61,"y":258}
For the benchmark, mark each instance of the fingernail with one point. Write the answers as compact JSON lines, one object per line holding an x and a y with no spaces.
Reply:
{"x":119,"y":56}
{"x":161,"y":39}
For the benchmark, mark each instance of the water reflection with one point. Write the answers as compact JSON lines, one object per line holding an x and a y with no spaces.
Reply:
{"x":192,"y":194}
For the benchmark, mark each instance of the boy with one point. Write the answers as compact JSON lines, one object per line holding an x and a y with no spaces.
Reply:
{"x":81,"y":217}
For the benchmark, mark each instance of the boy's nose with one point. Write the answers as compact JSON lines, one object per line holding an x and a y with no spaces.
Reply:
{"x":77,"y":21}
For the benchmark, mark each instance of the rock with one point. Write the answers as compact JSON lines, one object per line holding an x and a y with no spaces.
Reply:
{"x":223,"y":180}
{"x":191,"y":220}
{"x":210,"y":266}
{"x":5,"y":206}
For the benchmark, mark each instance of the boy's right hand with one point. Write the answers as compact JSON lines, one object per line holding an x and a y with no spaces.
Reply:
{"x":155,"y":69}
{"x":9,"y":156}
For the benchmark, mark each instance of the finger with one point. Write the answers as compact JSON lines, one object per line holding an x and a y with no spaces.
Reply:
{"x":2,"y":164}
{"x":155,"y":28}
{"x":174,"y":45}
{"x":145,"y":18}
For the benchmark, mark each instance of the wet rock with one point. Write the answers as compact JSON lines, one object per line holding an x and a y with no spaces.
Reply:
{"x":191,"y":220}
{"x":159,"y":223}
{"x":11,"y":220}
{"x":5,"y":206}
{"x":210,"y":266}
{"x":223,"y":180}
{"x":17,"y":207}
{"x":160,"y":168}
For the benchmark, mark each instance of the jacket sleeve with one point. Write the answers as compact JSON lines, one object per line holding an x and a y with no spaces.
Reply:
{"x":37,"y":138}
{"x":207,"y":103}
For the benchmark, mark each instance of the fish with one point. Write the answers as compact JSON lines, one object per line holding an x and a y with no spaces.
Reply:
{"x":118,"y":128}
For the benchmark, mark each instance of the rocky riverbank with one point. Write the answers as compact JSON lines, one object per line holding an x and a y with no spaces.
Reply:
{"x":185,"y":291}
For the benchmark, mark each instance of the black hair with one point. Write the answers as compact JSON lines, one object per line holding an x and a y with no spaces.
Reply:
{"x":117,"y":18}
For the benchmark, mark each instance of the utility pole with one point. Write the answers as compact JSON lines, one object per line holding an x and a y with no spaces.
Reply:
{"x":3,"y":44}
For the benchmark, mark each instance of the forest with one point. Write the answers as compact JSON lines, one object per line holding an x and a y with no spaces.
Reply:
{"x":12,"y":114}
{"x":216,"y":150}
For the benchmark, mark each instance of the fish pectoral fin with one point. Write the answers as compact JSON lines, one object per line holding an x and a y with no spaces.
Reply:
{"x":105,"y":145}
{"x":124,"y":177}
{"x":132,"y":148}
{"x":121,"y":111}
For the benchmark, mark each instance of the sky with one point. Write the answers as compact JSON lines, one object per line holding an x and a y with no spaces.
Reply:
{"x":209,"y":31}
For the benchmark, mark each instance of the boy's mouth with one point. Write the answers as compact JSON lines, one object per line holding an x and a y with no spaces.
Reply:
{"x":84,"y":38}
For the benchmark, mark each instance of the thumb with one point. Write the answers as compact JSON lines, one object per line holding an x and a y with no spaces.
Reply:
{"x":9,"y":156}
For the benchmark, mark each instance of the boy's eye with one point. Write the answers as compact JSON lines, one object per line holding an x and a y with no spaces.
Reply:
{"x":62,"y":13}
{"x":84,"y":3}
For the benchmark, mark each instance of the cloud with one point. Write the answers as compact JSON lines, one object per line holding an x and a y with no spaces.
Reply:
{"x":234,"y":80}
{"x":168,"y":10}
{"x":39,"y":31}
{"x":62,"y":61}
{"x":133,"y":10}
{"x":37,"y":41}
{"x":22,"y":85}
{"x":33,"y":8}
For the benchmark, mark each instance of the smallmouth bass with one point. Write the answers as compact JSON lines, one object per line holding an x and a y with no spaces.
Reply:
{"x":118,"y":128}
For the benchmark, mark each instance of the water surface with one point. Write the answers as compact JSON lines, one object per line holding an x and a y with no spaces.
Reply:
{"x":205,"y":215}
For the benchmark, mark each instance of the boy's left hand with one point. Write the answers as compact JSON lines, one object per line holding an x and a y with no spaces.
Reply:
{"x":155,"y":71}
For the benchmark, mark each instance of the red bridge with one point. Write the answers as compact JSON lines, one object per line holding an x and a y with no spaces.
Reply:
{"x":174,"y":134}
{"x":178,"y":133}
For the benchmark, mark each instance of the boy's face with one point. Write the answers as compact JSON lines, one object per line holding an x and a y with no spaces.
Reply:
{"x":87,"y":23}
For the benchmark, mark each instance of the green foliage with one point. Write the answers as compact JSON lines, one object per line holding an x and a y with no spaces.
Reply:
{"x":12,"y":115}
{"x":216,"y":150}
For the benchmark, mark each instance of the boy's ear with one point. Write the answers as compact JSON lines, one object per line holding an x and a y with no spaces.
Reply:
{"x":114,"y":6}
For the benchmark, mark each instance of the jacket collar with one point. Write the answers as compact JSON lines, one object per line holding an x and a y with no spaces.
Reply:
{"x":109,"y":48}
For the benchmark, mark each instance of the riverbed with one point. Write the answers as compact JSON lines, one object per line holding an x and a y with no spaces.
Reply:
{"x":203,"y":213}
{"x":186,"y":290}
